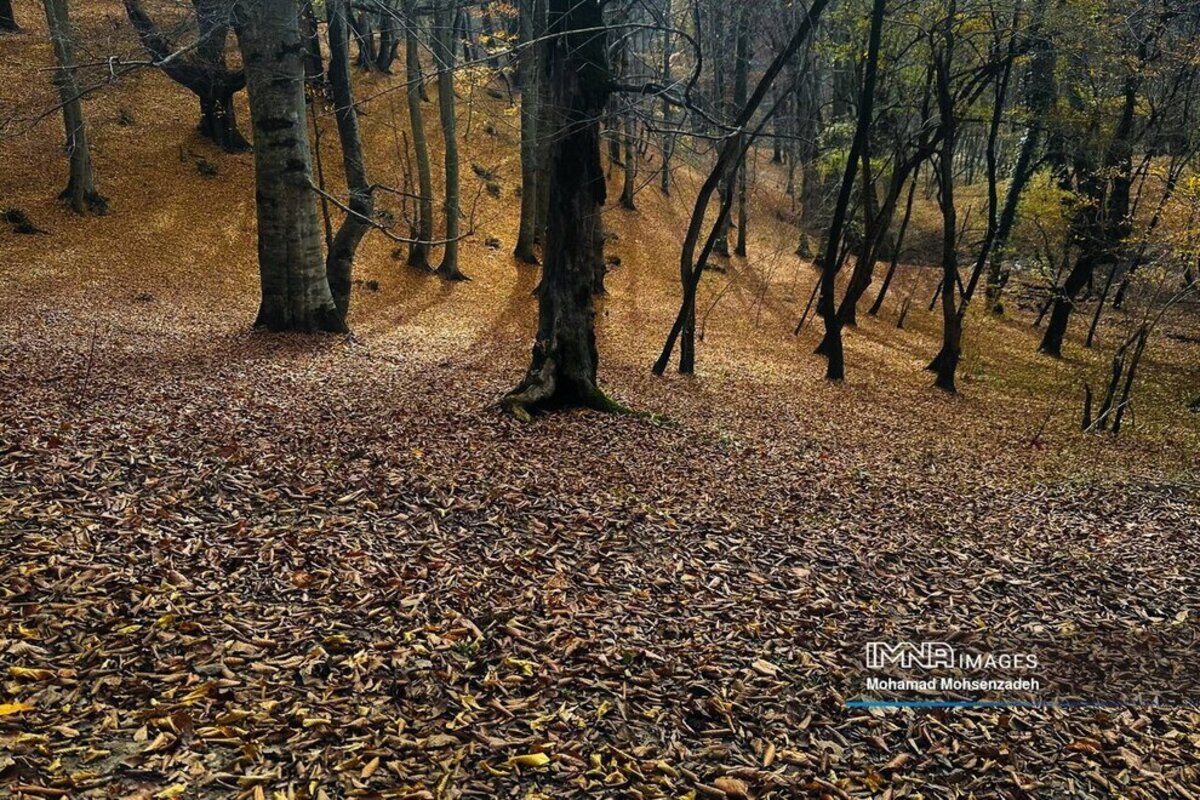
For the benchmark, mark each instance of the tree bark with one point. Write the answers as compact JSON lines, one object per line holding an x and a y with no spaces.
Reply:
{"x":443,"y":50}
{"x":81,"y":192}
{"x":8,"y":22}
{"x":418,"y":251}
{"x":946,"y":362}
{"x":1105,"y":219}
{"x":668,"y":139}
{"x":562,"y":371}
{"x":527,"y":64}
{"x":740,"y":75}
{"x":898,"y":248}
{"x":295,"y":290}
{"x":203,"y":73}
{"x":340,"y":260}
{"x":835,"y":369}
{"x":389,"y":40}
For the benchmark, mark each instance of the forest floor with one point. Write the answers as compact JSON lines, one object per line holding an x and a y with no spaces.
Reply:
{"x":240,"y":564}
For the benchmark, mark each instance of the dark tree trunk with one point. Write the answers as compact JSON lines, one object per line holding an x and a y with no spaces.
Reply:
{"x":418,"y":251}
{"x":314,"y":68}
{"x":340,"y":260}
{"x":1039,"y":99}
{"x":363,"y":28}
{"x":81,"y":192}
{"x":630,"y":167}
{"x":8,"y":23}
{"x":684,"y":328}
{"x":946,"y":362}
{"x":740,"y":74}
{"x":1105,"y":222}
{"x":389,"y":39}
{"x":295,"y":289}
{"x":204,"y":72}
{"x":527,"y":64}
{"x":668,"y":139}
{"x":826,"y":306}
{"x":562,"y":371}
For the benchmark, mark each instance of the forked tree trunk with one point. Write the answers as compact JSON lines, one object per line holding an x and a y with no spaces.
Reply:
{"x":683,"y":329}
{"x":443,"y":51}
{"x":81,"y":191}
{"x":203,"y":73}
{"x":562,"y":371}
{"x":295,"y":290}
{"x":389,"y":39}
{"x":340,"y":260}
{"x":835,"y":369}
{"x":527,"y":63}
{"x":418,"y":251}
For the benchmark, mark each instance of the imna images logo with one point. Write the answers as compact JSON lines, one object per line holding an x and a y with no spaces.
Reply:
{"x":941,"y":655}
{"x":906,"y":655}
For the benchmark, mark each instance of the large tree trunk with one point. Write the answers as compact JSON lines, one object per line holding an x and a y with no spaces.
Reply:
{"x":418,"y":251}
{"x":443,"y":50}
{"x":340,"y":260}
{"x":527,"y":63}
{"x":8,"y":23}
{"x":81,"y":191}
{"x":562,"y":371}
{"x":295,"y":290}
{"x":898,"y":247}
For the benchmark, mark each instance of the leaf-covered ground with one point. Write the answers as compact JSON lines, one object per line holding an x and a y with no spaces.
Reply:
{"x":235,"y":564}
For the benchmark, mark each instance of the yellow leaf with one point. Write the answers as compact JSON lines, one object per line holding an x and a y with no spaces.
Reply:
{"x":30,"y":673}
{"x":493,"y":771}
{"x":171,"y":791}
{"x":14,"y":708}
{"x":529,"y":760}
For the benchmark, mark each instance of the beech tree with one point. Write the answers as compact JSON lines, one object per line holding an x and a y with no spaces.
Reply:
{"x":443,"y":50}
{"x":562,"y":371}
{"x":418,"y":249}
{"x":295,"y":289}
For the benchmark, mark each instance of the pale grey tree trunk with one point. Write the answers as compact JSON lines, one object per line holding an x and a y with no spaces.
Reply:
{"x":443,"y":51}
{"x":418,"y":251}
{"x":81,"y":191}
{"x":295,"y":290}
